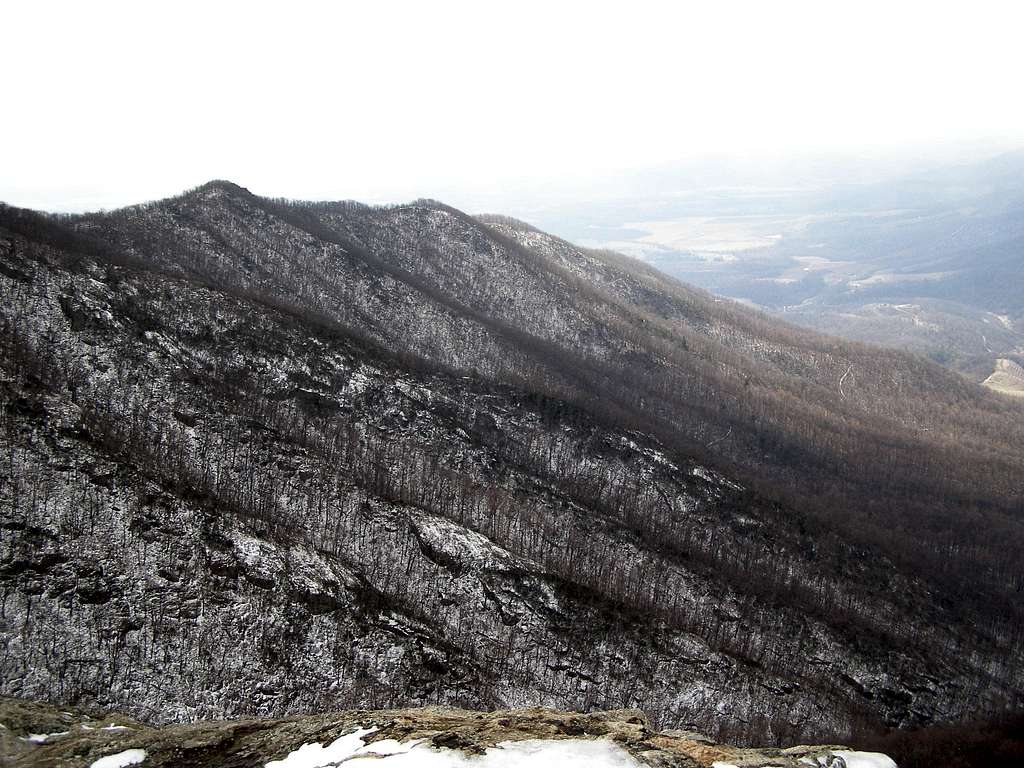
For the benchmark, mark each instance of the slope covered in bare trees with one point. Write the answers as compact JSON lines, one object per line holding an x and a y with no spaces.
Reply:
{"x":263,"y":455}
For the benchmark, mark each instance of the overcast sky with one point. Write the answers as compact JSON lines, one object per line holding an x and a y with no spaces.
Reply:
{"x":110,"y":103}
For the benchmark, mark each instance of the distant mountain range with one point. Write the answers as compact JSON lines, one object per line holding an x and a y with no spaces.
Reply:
{"x":932,"y":261}
{"x":265,"y":456}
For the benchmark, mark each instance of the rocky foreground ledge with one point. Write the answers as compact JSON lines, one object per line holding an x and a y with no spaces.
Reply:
{"x":33,"y":734}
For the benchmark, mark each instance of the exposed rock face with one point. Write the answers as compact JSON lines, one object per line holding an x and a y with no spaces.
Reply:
{"x":35,"y":735}
{"x":262,"y":459}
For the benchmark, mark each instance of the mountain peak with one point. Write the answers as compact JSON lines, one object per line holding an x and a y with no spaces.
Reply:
{"x":218,"y":186}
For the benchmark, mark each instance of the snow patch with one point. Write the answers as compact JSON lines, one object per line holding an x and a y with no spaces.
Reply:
{"x":315,"y":755}
{"x":351,"y":752}
{"x":851,"y":759}
{"x":358,"y":383}
{"x":865,"y":759}
{"x":121,"y":759}
{"x":42,"y":738}
{"x":463,"y":545}
{"x":259,"y":557}
{"x":714,"y":478}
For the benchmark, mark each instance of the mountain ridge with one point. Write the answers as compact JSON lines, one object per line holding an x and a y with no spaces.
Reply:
{"x":567,"y":450}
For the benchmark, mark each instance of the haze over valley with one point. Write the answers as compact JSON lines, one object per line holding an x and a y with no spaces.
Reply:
{"x":920,"y":253}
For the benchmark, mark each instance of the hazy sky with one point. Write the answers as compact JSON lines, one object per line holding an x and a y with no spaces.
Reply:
{"x":109,"y":103}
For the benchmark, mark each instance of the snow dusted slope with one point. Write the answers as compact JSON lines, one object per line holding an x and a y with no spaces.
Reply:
{"x":263,"y":458}
{"x":408,"y":738}
{"x":316,"y":567}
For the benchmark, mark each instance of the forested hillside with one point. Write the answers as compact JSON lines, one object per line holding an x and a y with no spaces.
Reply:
{"x":265,"y":456}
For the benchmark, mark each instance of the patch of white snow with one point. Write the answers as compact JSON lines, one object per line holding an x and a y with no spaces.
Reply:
{"x":357,"y":383}
{"x":121,"y":759}
{"x":316,"y":755}
{"x":350,"y":752}
{"x":865,"y":759}
{"x":42,"y":738}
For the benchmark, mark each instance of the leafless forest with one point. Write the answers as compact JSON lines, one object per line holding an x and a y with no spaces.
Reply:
{"x":263,"y":456}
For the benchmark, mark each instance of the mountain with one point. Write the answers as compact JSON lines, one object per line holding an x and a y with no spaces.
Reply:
{"x":408,"y":738}
{"x":264,"y":457}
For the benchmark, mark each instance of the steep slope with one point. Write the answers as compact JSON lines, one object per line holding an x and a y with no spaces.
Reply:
{"x":269,"y":456}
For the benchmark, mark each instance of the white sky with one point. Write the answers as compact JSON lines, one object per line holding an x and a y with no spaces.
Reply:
{"x":107,"y":103}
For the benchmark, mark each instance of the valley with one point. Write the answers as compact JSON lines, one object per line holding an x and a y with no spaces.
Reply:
{"x":928,"y":261}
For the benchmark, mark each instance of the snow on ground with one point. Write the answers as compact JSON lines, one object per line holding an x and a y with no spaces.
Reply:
{"x":42,"y":738}
{"x":865,"y":759}
{"x":358,"y":383}
{"x":121,"y":759}
{"x":463,"y":545}
{"x":351,"y":752}
{"x":852,"y":759}
{"x":315,"y":755}
{"x":111,"y":727}
{"x":713,"y":477}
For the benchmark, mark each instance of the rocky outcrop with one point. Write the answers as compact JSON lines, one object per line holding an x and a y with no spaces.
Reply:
{"x":37,"y":735}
